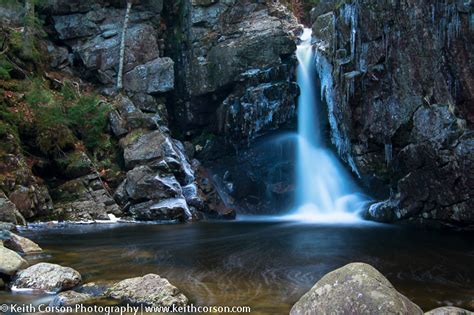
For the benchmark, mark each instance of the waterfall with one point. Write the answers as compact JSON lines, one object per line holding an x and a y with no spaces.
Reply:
{"x":325,"y":191}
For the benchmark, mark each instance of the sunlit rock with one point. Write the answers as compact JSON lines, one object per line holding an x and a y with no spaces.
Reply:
{"x":46,"y":277}
{"x":356,"y":288}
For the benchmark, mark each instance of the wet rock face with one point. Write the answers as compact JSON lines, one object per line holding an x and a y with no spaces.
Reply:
{"x":356,"y":288}
{"x":235,"y":82}
{"x":400,"y":117}
{"x":239,"y":56}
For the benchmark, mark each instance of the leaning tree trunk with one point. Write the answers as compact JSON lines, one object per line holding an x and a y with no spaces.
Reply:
{"x":28,"y":33}
{"x":122,"y":46}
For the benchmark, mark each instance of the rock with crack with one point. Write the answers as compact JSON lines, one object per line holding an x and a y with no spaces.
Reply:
{"x":151,"y":290}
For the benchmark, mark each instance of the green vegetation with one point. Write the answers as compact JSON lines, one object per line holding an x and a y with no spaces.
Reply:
{"x":5,"y":68}
{"x":62,"y":119}
{"x":88,"y":117}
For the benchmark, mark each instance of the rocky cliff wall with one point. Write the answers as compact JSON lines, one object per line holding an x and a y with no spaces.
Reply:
{"x":398,"y":82}
{"x":214,"y":74}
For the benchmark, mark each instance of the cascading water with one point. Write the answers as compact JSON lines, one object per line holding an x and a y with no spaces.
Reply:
{"x":324,"y":192}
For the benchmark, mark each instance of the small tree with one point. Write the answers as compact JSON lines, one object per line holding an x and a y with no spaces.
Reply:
{"x":122,"y":45}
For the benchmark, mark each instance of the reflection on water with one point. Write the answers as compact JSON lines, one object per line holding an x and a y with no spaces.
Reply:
{"x":266,"y":265}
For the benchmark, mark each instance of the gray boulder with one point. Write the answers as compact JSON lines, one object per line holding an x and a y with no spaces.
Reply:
{"x":46,"y":277}
{"x":156,"y":76}
{"x":10,"y":262}
{"x":143,"y":183}
{"x":356,"y":288}
{"x":149,"y":290}
{"x":140,"y":149}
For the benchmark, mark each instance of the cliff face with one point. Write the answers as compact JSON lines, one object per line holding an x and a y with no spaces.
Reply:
{"x":235,"y":81}
{"x":215,"y":74}
{"x":397,"y":77}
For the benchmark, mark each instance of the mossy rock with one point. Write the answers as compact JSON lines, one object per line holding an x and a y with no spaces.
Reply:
{"x":69,"y":191}
{"x":132,"y":137}
{"x":74,"y":164}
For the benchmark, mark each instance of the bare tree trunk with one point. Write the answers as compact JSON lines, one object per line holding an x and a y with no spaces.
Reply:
{"x":28,"y":37}
{"x":122,"y":46}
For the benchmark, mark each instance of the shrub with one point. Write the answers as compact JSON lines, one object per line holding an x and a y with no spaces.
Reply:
{"x":89,"y":118}
{"x":38,"y":95}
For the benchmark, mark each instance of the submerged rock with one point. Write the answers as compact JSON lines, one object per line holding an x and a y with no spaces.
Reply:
{"x":356,"y":288}
{"x":10,"y":262}
{"x":149,"y":290}
{"x":70,"y":298}
{"x":46,"y":277}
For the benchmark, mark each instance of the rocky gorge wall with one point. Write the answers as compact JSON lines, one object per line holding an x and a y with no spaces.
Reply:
{"x":397,"y":77}
{"x":214,"y":74}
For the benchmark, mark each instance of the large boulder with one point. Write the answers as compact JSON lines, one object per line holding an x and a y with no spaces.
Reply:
{"x":46,"y":277}
{"x":143,"y":148}
{"x":10,"y":262}
{"x":356,"y":288}
{"x":142,"y":183}
{"x":149,"y":290}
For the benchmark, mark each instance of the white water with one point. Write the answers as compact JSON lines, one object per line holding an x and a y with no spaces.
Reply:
{"x":325,"y":192}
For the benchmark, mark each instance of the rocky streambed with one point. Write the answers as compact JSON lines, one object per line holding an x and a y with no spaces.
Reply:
{"x":268,"y":266}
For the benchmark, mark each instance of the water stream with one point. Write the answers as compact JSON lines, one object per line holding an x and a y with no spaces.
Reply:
{"x":265,"y":265}
{"x":325,"y":192}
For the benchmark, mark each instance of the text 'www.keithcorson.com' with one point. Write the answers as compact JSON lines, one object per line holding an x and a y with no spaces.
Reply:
{"x":122,"y":309}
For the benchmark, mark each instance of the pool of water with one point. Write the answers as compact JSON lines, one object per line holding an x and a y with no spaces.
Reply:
{"x":265,"y":265}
